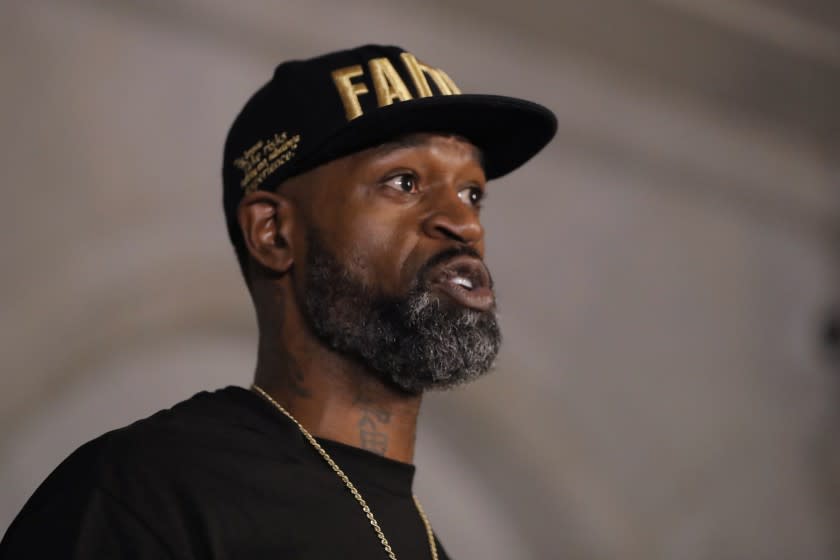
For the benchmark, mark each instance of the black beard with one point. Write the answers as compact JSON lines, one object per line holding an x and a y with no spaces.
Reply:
{"x":416,"y":342}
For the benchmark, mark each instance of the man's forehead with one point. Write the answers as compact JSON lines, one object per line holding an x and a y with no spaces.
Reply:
{"x":308,"y":181}
{"x":424,"y":139}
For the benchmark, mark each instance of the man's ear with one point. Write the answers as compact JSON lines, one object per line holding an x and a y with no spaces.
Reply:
{"x":266,"y":220}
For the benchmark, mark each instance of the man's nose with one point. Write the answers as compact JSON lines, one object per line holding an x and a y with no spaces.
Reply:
{"x":452,"y":219}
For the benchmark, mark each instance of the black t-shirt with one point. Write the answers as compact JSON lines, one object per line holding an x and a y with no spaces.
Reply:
{"x":221,"y":475}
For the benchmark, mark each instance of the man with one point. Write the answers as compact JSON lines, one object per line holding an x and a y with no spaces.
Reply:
{"x":352,"y":189}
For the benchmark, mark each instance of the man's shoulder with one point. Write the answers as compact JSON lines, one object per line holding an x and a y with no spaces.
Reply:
{"x":223,"y":423}
{"x":205,"y":437}
{"x":186,"y":423}
{"x":207,"y":420}
{"x":161,"y":478}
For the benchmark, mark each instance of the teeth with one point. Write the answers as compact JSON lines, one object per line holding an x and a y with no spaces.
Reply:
{"x":462,"y":282}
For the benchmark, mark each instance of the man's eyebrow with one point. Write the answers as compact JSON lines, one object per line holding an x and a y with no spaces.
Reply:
{"x":414,"y":142}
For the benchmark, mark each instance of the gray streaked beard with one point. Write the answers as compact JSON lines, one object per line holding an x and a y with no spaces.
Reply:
{"x":416,"y":342}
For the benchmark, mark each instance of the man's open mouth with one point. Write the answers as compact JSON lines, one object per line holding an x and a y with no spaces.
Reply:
{"x":466,"y":280}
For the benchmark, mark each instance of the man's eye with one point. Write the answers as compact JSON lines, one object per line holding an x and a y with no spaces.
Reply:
{"x":405,"y":182}
{"x":472,"y":196}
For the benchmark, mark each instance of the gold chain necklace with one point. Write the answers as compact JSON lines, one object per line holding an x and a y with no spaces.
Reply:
{"x":350,"y":486}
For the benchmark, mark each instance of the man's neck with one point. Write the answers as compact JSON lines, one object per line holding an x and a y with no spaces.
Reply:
{"x":337,"y":399}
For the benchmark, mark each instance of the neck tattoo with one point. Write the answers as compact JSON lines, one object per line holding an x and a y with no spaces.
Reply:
{"x":371,"y":436}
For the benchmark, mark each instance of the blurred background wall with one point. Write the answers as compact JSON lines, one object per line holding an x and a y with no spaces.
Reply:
{"x":668,"y":269}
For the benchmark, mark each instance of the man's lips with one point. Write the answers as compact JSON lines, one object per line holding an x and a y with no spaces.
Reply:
{"x":466,"y":280}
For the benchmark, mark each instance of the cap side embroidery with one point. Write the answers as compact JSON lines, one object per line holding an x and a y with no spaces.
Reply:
{"x":264,"y":158}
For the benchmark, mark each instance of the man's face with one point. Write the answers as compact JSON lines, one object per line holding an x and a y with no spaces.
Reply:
{"x":393,"y":272}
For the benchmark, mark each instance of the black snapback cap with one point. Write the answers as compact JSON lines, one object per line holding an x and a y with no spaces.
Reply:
{"x":317,"y":110}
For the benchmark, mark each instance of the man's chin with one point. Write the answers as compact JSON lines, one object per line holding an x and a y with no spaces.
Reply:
{"x":444,"y":343}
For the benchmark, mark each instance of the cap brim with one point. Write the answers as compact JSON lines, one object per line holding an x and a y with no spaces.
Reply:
{"x":507,"y":130}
